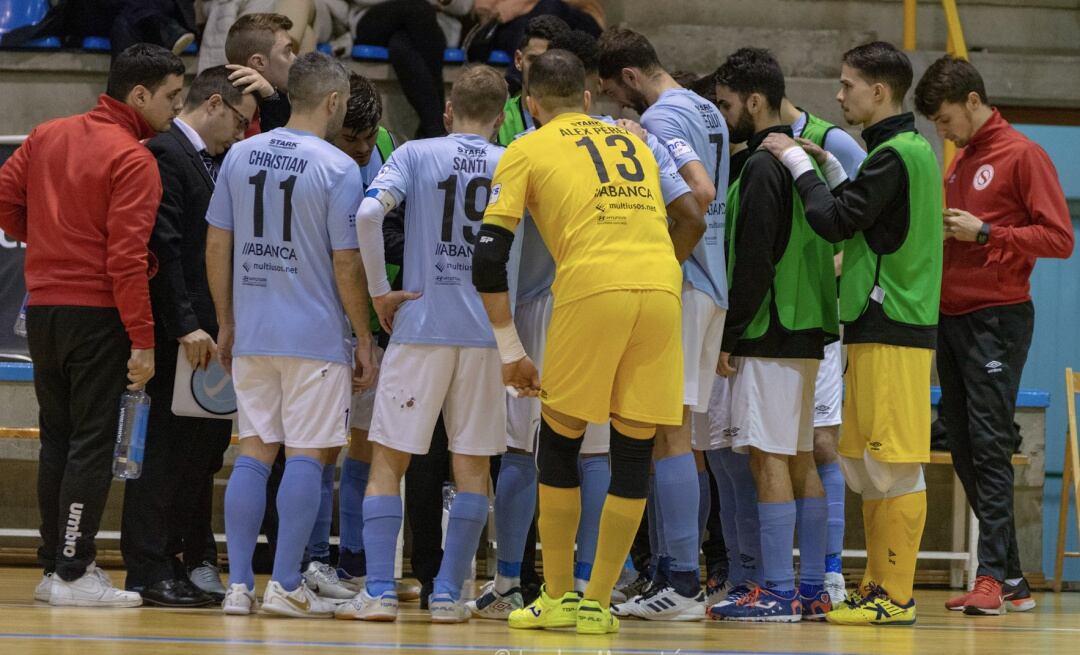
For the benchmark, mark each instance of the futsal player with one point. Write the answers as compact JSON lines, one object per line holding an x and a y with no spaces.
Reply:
{"x":696,"y":138}
{"x":286,"y":277}
{"x":616,"y":275}
{"x":889,"y":218}
{"x":442,"y":353}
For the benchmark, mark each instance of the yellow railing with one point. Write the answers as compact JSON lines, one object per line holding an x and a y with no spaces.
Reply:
{"x":954,"y":44}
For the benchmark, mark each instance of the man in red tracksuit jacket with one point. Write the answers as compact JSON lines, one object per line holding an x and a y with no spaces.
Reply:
{"x":1004,"y":209}
{"x":83,"y":193}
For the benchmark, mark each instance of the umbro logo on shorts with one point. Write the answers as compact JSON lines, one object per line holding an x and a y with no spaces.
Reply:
{"x":874,"y":445}
{"x":994,"y":366}
{"x":731,"y":432}
{"x":823,"y":409}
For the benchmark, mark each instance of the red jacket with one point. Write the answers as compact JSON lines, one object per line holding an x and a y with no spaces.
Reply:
{"x":83,"y":193}
{"x":1006,"y":180}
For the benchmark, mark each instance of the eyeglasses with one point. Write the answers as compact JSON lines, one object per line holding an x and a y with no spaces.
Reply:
{"x":241,"y":123}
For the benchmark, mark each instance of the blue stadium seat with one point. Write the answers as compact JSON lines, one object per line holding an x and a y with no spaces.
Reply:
{"x":96,"y":44}
{"x":370,"y":53}
{"x":19,"y":13}
{"x":325,"y":48}
{"x":500,"y":58}
{"x":453,"y":56}
{"x":192,"y":49}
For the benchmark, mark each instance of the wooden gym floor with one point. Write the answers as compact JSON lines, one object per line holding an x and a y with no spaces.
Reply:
{"x":28,"y":628}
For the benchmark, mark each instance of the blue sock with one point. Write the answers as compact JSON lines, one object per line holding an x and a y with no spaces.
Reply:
{"x":725,"y":492}
{"x":777,"y":540}
{"x":245,"y":504}
{"x":832,"y":478}
{"x":677,"y":493}
{"x":468,"y":513}
{"x":737,"y":467}
{"x":515,"y":506}
{"x":813,"y":528}
{"x":354,"y":477}
{"x":382,"y":522}
{"x":595,"y":474}
{"x":704,"y":504}
{"x":318,"y":547}
{"x":301,"y":486}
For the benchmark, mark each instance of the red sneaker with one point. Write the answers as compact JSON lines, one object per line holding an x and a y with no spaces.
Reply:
{"x":958,"y":603}
{"x":986,"y":599}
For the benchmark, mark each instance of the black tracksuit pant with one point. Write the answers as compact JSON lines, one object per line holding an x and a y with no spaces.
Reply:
{"x":164,"y":507}
{"x":80,"y":371}
{"x":980,"y":359}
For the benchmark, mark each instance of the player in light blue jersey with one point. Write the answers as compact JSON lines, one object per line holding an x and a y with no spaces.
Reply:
{"x":442,"y":354}
{"x":286,"y":278}
{"x":696,"y":136}
{"x":515,"y":497}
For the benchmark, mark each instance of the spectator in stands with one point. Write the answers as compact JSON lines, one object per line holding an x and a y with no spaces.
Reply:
{"x":1004,"y":208}
{"x":585,"y":15}
{"x":167,"y":509}
{"x":313,"y":21}
{"x":86,"y":226}
{"x":260,"y":53}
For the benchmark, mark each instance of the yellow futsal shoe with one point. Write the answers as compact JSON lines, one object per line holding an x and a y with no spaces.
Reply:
{"x":875,"y":609}
{"x":547,"y":612}
{"x":592,"y":619}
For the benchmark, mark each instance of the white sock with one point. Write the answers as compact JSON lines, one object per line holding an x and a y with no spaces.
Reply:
{"x":504,"y":584}
{"x":1014,"y":581}
{"x":579,"y":585}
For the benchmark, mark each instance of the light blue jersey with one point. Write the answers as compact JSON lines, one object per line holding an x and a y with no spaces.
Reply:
{"x":290,"y":200}
{"x":447,"y":181}
{"x":692,"y":129}
{"x":537,"y":268}
{"x":842,"y":145}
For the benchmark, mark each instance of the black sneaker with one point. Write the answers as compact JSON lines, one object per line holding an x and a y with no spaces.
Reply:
{"x":426,"y":590}
{"x":1018,"y":597}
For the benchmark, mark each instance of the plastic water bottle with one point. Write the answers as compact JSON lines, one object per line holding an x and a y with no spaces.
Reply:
{"x":131,"y":435}
{"x":20,"y":320}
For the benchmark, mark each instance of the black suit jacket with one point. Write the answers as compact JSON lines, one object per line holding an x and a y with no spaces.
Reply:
{"x":180,"y":293}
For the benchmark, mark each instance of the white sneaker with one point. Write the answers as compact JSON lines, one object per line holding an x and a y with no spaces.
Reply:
{"x":44,"y":588}
{"x":301,"y":602}
{"x":239,"y":600}
{"x":406,"y":591}
{"x":663,"y":604}
{"x":93,"y":589}
{"x":207,"y":578}
{"x":834,"y":585}
{"x":490,"y":604}
{"x":355,"y":584}
{"x":444,"y":609}
{"x":323,"y":580}
{"x":367,"y":608}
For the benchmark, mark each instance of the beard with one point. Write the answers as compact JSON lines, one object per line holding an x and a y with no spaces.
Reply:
{"x":636,"y":100}
{"x":743,"y":129}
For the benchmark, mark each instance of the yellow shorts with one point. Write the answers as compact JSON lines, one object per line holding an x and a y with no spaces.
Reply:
{"x":887,"y":403}
{"x":616,"y":352}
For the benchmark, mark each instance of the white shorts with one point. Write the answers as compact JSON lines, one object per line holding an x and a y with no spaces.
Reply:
{"x":719,"y":434}
{"x":523,"y":414}
{"x":772,"y":405}
{"x":363,"y":403}
{"x":702,"y":331}
{"x":302,"y":403}
{"x":418,"y":381}
{"x":829,"y":388}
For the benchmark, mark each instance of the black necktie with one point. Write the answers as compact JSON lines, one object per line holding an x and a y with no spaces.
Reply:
{"x":209,"y":163}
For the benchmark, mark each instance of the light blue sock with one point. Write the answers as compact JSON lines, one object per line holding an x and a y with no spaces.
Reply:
{"x":777,"y":541}
{"x":468,"y":513}
{"x":737,"y":467}
{"x":813,"y":526}
{"x":677,"y":493}
{"x":354,"y":477}
{"x":245,"y":504}
{"x":725,"y":493}
{"x":301,"y":486}
{"x":595,"y":474}
{"x":832,"y":478}
{"x":382,"y":522}
{"x":704,"y":504}
{"x":515,"y":506}
{"x":318,"y":547}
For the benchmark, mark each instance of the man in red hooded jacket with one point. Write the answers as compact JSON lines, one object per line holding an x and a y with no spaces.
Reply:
{"x":83,"y":193}
{"x":1004,"y":209}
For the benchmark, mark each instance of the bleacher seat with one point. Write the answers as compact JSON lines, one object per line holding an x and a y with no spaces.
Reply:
{"x":96,"y":44}
{"x":500,"y":58}
{"x":450,"y":55}
{"x":19,"y":13}
{"x":325,"y":48}
{"x":370,"y":53}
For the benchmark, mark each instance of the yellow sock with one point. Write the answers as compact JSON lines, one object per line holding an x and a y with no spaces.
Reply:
{"x":560,"y":510}
{"x":904,"y":522}
{"x":618,"y":525}
{"x":875,"y":537}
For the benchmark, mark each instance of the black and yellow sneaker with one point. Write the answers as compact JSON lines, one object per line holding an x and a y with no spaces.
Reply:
{"x":546,"y":612}
{"x":592,"y":619}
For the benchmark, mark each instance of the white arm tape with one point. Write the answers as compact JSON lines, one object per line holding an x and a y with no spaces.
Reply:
{"x":369,"y":221}
{"x":835,"y":175}
{"x":510,"y":348}
{"x":797,"y":161}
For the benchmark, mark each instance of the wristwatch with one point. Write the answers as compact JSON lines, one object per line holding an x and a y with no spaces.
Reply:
{"x":984,"y":234}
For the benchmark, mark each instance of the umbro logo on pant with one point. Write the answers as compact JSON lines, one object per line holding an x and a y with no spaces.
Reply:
{"x":994,"y":366}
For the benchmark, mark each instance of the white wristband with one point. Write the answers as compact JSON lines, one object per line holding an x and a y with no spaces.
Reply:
{"x":835,"y":175}
{"x":797,"y":161}
{"x":508,"y":343}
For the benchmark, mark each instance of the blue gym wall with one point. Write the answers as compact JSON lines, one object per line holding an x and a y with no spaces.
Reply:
{"x":1056,"y":291}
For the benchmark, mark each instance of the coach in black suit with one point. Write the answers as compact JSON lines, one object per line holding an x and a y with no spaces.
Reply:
{"x":167,"y":510}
